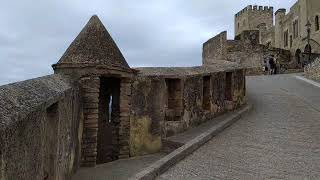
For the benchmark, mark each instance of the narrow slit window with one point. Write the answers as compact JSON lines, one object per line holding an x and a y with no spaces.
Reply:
{"x":206,"y":91}
{"x":317,"y":23}
{"x":228,"y":90}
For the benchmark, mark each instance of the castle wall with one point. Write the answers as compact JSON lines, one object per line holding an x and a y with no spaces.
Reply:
{"x":214,"y":49}
{"x":43,"y":119}
{"x":267,"y":37}
{"x":241,"y":21}
{"x":152,"y":120}
{"x":246,"y":50}
{"x":39,"y":129}
{"x":147,"y":115}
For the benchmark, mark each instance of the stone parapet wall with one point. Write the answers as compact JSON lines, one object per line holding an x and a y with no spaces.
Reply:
{"x":39,"y":129}
{"x":151,"y":118}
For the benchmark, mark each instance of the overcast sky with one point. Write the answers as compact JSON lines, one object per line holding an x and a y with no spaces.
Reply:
{"x":35,"y":33}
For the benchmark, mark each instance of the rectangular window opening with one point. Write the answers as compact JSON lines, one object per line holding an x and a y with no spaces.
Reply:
{"x":295,"y":29}
{"x":285,"y":38}
{"x":174,"y":94}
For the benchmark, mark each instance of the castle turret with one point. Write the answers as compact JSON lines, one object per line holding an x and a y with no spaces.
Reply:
{"x":251,"y":16}
{"x":94,"y":63}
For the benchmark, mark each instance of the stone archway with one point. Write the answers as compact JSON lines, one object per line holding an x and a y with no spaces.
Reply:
{"x":307,"y":48}
{"x":109,"y":118}
{"x":106,"y":107}
{"x":298,"y":56}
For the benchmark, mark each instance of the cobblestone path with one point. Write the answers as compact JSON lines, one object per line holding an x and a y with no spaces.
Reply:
{"x":278,"y":139}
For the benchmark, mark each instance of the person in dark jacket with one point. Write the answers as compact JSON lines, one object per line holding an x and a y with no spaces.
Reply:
{"x":272,"y":64}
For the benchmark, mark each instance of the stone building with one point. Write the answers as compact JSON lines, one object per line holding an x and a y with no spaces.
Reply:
{"x":95,"y":108}
{"x":288,"y":32}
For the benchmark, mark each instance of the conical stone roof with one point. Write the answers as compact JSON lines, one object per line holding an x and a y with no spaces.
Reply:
{"x":94,"y":46}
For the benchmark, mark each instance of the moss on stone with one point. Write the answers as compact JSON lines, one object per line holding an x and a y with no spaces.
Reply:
{"x":141,"y":140}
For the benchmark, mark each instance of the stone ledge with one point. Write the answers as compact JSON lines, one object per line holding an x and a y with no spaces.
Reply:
{"x":177,"y":155}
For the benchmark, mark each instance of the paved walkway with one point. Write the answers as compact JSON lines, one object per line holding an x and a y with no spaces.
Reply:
{"x":117,"y":170}
{"x":279,"y":139}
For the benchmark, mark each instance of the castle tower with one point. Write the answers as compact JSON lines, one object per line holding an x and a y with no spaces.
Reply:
{"x":251,"y":17}
{"x":95,"y":64}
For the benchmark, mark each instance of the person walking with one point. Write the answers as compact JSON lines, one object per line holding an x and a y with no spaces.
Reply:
{"x":272,"y":64}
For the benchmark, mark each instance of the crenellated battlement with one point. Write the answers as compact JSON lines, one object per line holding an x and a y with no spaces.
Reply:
{"x":255,"y":8}
{"x":250,"y":17}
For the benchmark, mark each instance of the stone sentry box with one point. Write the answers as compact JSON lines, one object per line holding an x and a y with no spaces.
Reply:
{"x":95,"y":64}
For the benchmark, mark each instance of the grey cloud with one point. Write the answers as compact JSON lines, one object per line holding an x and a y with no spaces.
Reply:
{"x":34,"y":34}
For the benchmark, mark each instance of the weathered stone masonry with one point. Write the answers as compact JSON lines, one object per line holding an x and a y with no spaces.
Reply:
{"x":96,"y":109}
{"x":39,"y":129}
{"x":90,"y":87}
{"x":159,"y":115}
{"x":245,"y":50}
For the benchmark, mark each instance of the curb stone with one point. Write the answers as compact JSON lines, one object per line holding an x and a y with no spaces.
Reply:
{"x":314,"y":83}
{"x":177,"y":155}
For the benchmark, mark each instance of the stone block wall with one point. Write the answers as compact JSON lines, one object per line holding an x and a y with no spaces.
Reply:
{"x":124,"y":126}
{"x":246,"y":50}
{"x":147,"y":115}
{"x":49,"y":126}
{"x":149,"y":120}
{"x":214,"y":49}
{"x":90,"y":87}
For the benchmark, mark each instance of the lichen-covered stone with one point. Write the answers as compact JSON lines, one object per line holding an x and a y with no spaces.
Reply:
{"x":19,"y":99}
{"x":39,"y":129}
{"x":312,"y":71}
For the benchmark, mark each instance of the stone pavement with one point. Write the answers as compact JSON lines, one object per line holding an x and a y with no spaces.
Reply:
{"x":117,"y":170}
{"x":278,"y":139}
